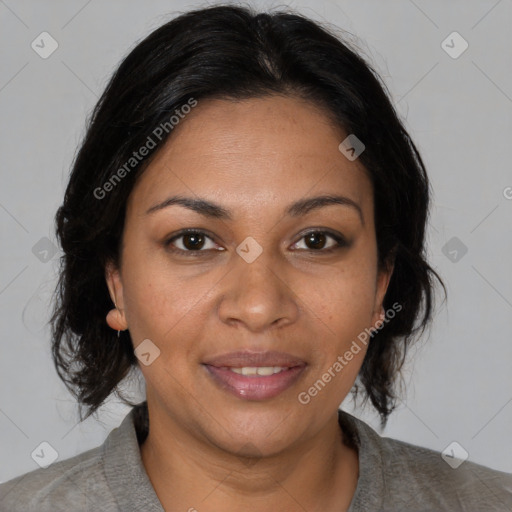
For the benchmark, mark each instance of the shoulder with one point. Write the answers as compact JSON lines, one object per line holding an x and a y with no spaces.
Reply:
{"x":79,"y":480}
{"x":110,"y":478}
{"x":432,"y":479}
{"x":404,"y":476}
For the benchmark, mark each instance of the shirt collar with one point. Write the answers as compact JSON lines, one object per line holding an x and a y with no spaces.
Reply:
{"x":370,"y":483}
{"x":132,"y":489}
{"x":124,"y":470}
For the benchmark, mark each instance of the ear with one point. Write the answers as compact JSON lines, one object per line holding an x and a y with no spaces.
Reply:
{"x":116,"y":316}
{"x":383,"y":278}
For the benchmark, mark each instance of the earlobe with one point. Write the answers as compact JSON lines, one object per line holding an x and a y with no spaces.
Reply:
{"x":115,"y":320}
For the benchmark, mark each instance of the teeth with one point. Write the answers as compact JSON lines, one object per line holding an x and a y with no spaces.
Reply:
{"x":258,"y":370}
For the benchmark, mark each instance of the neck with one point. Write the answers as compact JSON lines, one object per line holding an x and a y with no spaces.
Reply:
{"x":188,"y":473}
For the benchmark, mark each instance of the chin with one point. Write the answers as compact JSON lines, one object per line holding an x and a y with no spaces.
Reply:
{"x":259,"y":432}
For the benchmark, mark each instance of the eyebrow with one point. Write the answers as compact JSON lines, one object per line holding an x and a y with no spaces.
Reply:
{"x":297,"y":209}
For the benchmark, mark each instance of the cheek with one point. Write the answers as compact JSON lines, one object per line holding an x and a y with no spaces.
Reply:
{"x":343,"y":310}
{"x":155,"y":302}
{"x":163,"y":303}
{"x":345,"y":301}
{"x":148,"y":291}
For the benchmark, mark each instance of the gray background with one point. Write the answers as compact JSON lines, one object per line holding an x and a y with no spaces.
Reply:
{"x":458,"y":111}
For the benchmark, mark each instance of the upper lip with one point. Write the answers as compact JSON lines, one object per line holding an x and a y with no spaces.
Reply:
{"x":246,"y":358}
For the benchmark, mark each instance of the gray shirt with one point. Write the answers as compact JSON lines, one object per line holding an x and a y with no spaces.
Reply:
{"x":393,"y":476}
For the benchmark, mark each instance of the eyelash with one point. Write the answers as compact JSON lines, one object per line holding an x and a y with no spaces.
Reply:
{"x":340,"y":242}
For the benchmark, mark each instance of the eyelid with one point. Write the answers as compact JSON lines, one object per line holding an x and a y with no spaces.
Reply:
{"x":341,"y":241}
{"x":182,"y":232}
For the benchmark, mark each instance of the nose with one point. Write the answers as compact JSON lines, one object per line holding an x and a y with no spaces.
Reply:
{"x":258,"y":295}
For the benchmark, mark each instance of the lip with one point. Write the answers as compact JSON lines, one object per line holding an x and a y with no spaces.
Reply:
{"x":251,"y":387}
{"x":250,"y":358}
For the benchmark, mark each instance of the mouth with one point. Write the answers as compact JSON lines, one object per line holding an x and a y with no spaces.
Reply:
{"x":255,"y":375}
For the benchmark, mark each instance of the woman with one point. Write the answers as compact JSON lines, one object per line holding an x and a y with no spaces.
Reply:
{"x":245,"y":223}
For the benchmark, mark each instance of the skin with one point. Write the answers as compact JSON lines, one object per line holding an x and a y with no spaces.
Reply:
{"x":208,"y":449}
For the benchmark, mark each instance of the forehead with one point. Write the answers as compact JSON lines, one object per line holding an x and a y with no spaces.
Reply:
{"x":249,"y":153}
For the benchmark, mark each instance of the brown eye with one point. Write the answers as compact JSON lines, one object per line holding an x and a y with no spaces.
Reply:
{"x":191,"y":242}
{"x":316,"y":241}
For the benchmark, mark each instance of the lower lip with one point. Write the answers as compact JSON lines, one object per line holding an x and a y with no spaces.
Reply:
{"x":252,"y":387}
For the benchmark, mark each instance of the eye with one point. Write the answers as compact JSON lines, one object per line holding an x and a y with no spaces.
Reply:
{"x":191,"y":241}
{"x":316,"y":240}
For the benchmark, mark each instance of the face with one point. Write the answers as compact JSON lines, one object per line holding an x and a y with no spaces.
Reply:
{"x":266,"y":279}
